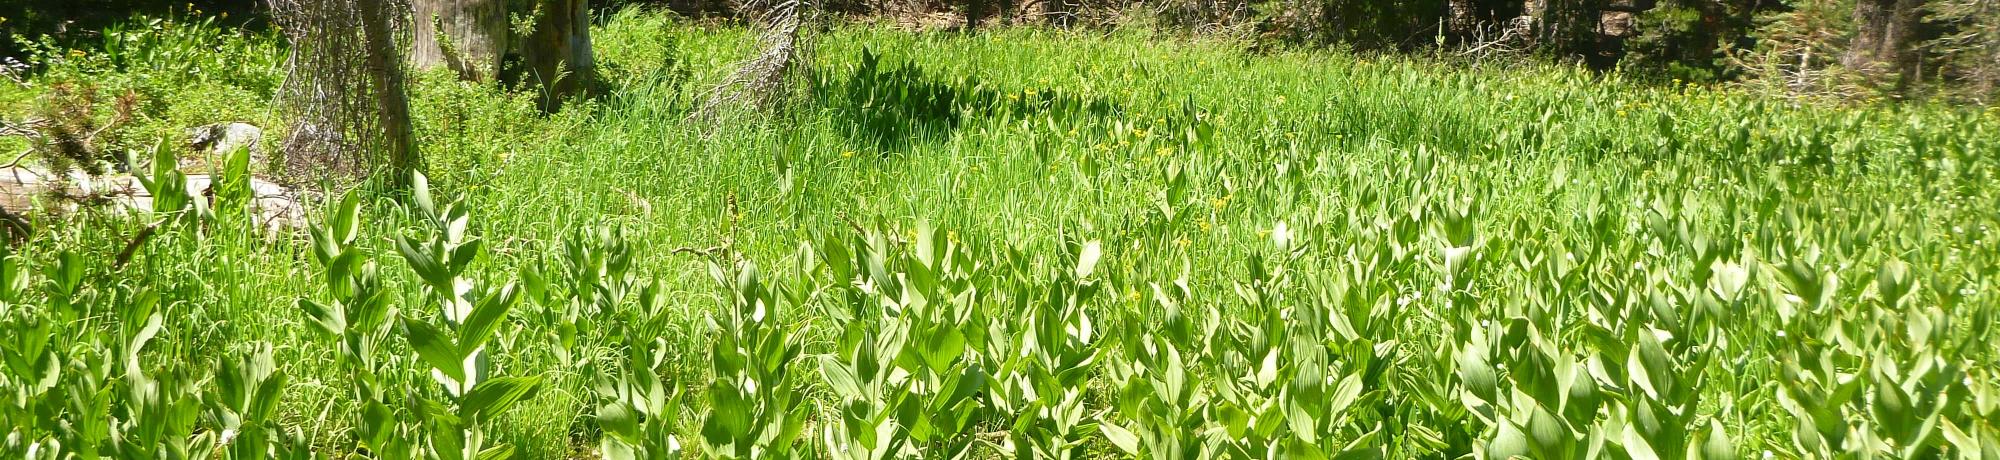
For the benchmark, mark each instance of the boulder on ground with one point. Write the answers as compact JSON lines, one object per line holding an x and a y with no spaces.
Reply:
{"x":26,"y":190}
{"x":222,"y":138}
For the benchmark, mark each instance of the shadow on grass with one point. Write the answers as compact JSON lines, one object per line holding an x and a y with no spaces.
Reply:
{"x":896,"y":107}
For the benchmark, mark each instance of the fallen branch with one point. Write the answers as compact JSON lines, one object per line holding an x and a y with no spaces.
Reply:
{"x":18,"y":158}
{"x":17,"y":228}
{"x":132,"y":247}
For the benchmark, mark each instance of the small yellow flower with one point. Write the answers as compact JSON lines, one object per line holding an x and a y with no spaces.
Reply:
{"x":1183,"y":242}
{"x":1205,"y":226}
{"x":1162,"y":151}
{"x":1132,"y":295}
{"x":1281,"y":100}
{"x":847,"y":154}
{"x":1218,"y":203}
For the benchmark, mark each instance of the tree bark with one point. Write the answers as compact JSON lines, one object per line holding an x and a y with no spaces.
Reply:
{"x":1883,"y":38}
{"x":385,"y":73}
{"x":558,"y":53}
{"x":1569,"y":27}
{"x":466,"y":36}
{"x":974,"y":10}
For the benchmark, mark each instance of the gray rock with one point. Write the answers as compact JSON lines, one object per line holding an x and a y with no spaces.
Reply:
{"x":221,"y":138}
{"x":27,"y":190}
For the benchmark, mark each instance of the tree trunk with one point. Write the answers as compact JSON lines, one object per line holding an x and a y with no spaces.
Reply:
{"x":1461,"y":18}
{"x":1568,"y":27}
{"x":466,"y":36}
{"x":1883,"y":35}
{"x":974,"y":10}
{"x":385,"y":73}
{"x":557,"y":53}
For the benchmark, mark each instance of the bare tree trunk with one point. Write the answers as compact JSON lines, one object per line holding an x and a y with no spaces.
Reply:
{"x":466,"y":36}
{"x":1461,"y":18}
{"x":1566,"y":26}
{"x":974,"y":10}
{"x":385,"y":73}
{"x":1883,"y":39}
{"x":558,"y":53}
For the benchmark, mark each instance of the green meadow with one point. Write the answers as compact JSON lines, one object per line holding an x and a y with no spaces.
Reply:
{"x":1026,"y":243}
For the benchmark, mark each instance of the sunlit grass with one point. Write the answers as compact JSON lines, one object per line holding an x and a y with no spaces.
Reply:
{"x":1442,"y":209}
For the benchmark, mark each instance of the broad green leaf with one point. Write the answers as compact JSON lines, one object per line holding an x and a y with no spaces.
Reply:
{"x":420,"y":192}
{"x":1086,"y":261}
{"x":487,"y":316}
{"x":1508,"y":443}
{"x":493,"y":396}
{"x":1636,"y":446}
{"x":839,"y":377}
{"x":435,"y":348}
{"x":1717,"y":446}
{"x":1120,"y":437}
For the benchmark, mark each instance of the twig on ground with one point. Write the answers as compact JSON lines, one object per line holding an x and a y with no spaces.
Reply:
{"x":133,"y":246}
{"x":18,"y":158}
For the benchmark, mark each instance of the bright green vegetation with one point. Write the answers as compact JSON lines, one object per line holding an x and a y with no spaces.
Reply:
{"x":1040,"y":245}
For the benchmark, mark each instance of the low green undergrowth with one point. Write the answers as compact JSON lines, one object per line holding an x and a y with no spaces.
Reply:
{"x":1031,"y":244}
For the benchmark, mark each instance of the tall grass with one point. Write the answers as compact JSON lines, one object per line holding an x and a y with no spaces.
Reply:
{"x":1455,"y":238}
